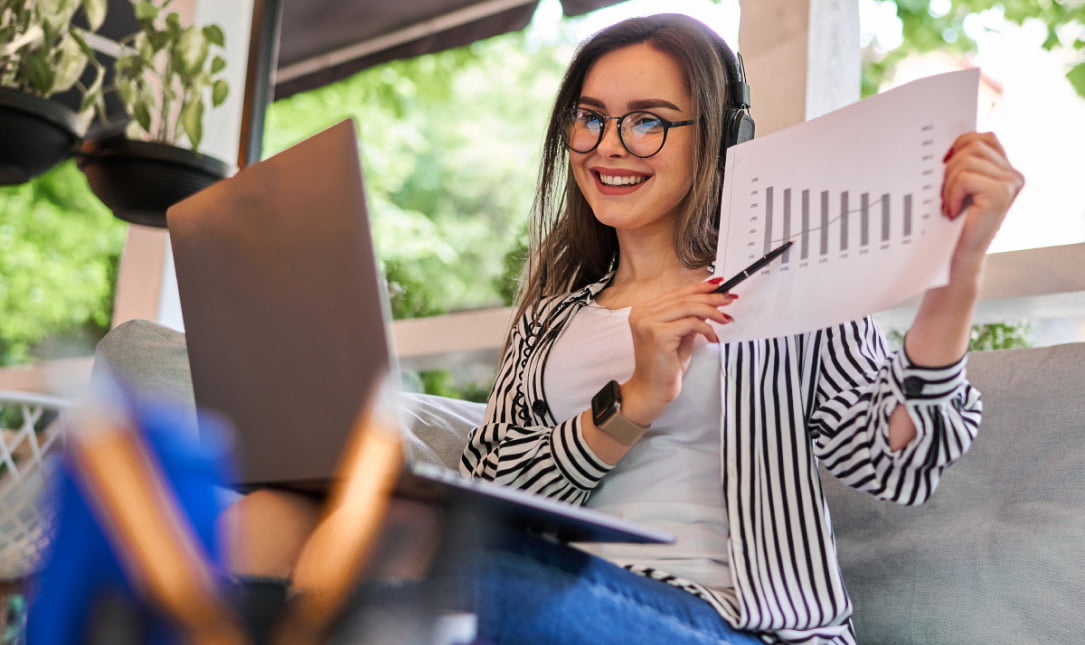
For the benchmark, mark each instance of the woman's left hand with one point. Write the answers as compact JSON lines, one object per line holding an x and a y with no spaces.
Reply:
{"x":980,"y":184}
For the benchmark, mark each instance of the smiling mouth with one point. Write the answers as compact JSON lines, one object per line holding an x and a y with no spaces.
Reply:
{"x":625,"y":180}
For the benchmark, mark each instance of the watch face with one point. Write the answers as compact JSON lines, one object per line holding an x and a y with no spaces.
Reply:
{"x":605,"y":403}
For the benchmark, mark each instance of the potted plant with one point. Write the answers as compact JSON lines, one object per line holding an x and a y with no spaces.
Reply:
{"x":164,"y":77}
{"x":44,"y":54}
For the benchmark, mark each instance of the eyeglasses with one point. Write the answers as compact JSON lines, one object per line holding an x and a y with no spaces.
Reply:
{"x":642,"y":133}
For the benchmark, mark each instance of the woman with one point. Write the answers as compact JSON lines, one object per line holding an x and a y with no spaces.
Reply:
{"x":616,"y":313}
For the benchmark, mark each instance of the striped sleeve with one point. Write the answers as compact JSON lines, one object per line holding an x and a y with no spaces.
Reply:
{"x":516,"y":446}
{"x":859,"y":385}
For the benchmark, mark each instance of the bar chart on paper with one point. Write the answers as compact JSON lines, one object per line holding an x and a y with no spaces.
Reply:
{"x":831,"y":224}
{"x":861,"y":202}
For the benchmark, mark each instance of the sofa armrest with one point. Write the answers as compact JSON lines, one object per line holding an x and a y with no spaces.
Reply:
{"x":994,"y":556}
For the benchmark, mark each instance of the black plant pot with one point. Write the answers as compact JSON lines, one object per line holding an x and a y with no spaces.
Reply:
{"x":35,"y":135}
{"x":139,"y":180}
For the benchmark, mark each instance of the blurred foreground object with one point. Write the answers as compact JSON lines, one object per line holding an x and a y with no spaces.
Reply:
{"x":125,"y":538}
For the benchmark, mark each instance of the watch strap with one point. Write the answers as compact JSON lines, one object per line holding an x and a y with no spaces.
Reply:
{"x":622,"y":429}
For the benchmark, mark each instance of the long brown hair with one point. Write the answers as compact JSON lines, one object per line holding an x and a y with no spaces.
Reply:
{"x":570,"y":248}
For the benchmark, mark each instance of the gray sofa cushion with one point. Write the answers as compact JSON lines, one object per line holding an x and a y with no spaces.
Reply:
{"x":996,"y":555}
{"x":152,"y":360}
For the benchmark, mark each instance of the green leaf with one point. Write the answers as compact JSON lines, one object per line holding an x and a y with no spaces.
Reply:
{"x":146,"y":50}
{"x":1052,"y":39}
{"x":77,"y":35}
{"x":146,"y":11}
{"x":127,"y":67}
{"x":218,"y":92}
{"x":142,"y":115}
{"x":218,"y":63}
{"x":96,"y":11}
{"x":52,"y":7}
{"x":69,"y":66}
{"x":215,"y":35}
{"x":192,"y":121}
{"x":192,"y":49}
{"x":158,"y":40}
{"x":1076,"y":76}
{"x":57,"y":14}
{"x":126,"y":91}
{"x":173,"y":20}
{"x":41,"y":75}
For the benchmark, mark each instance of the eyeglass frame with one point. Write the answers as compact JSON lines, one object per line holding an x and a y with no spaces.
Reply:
{"x":667,"y":125}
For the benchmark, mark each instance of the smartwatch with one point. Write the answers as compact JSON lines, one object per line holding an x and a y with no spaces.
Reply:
{"x":606,"y":412}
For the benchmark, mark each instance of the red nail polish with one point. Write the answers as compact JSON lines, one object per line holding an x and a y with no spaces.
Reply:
{"x":949,"y":154}
{"x":716,"y":280}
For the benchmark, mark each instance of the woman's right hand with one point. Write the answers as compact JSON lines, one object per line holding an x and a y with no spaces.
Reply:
{"x":664,"y":330}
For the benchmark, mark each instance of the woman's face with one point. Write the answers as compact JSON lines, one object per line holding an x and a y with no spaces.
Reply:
{"x":624,"y":191}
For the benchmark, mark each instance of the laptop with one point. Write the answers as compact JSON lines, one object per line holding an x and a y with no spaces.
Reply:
{"x":286,"y":322}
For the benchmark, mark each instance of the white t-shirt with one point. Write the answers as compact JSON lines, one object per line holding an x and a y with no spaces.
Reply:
{"x":670,"y":479}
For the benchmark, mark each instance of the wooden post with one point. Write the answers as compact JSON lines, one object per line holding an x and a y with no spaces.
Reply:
{"x":801,"y":58}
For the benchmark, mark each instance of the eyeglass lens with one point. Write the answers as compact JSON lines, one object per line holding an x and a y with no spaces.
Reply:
{"x":642,"y":133}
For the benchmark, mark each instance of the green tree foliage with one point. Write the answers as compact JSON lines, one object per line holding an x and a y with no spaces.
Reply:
{"x":450,"y":145}
{"x":59,"y":250}
{"x":1009,"y":335}
{"x":926,"y":28}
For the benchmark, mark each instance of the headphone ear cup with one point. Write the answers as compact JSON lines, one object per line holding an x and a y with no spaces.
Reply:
{"x":738,"y":126}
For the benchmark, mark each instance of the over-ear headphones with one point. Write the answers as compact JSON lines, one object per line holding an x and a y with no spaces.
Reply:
{"x":737,"y":123}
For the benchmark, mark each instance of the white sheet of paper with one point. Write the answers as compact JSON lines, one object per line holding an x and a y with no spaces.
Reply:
{"x":859,"y":192}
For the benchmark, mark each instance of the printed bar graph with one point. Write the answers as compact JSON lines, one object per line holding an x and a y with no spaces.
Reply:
{"x":857,"y":225}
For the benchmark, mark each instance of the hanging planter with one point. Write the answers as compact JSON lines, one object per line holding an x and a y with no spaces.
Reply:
{"x":139,"y":180}
{"x":166,"y":73}
{"x":35,"y":135}
{"x":42,"y":54}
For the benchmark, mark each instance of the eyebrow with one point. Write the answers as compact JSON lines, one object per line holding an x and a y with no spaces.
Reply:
{"x":639,"y":104}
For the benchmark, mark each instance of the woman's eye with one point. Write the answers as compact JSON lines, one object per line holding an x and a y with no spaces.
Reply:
{"x":647,"y":123}
{"x":589,"y":120}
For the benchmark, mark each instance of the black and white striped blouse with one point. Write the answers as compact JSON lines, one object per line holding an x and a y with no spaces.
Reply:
{"x":788,"y":403}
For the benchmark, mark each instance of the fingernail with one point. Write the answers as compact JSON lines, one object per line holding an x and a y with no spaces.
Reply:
{"x":728,"y":318}
{"x":949,"y":154}
{"x":716,"y":280}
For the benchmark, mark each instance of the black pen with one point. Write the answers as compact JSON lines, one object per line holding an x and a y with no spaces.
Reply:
{"x":753,"y":268}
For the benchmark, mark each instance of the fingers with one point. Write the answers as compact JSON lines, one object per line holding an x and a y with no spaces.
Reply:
{"x":671,"y":334}
{"x":664,"y":322}
{"x":688,"y":302}
{"x":978,"y":171}
{"x":705,"y":306}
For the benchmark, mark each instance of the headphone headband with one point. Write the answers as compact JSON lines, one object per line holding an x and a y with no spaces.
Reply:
{"x":736,"y":73}
{"x":738,"y":126}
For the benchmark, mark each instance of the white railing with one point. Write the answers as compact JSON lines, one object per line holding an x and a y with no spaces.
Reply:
{"x":1034,"y":284}
{"x":31,"y":427}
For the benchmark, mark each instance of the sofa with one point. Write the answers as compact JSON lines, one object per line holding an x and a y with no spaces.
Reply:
{"x":996,"y":556}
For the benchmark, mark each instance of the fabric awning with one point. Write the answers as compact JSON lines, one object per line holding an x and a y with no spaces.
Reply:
{"x":323,"y":41}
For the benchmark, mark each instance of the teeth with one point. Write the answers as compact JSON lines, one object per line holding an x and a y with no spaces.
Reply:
{"x":628,"y":180}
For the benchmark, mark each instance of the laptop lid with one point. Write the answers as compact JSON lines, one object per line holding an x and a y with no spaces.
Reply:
{"x":283,"y":310}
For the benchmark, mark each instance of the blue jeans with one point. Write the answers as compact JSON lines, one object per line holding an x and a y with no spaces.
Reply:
{"x":528,"y":590}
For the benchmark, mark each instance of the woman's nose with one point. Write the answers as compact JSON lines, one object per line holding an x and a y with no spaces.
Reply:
{"x":611,"y":145}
